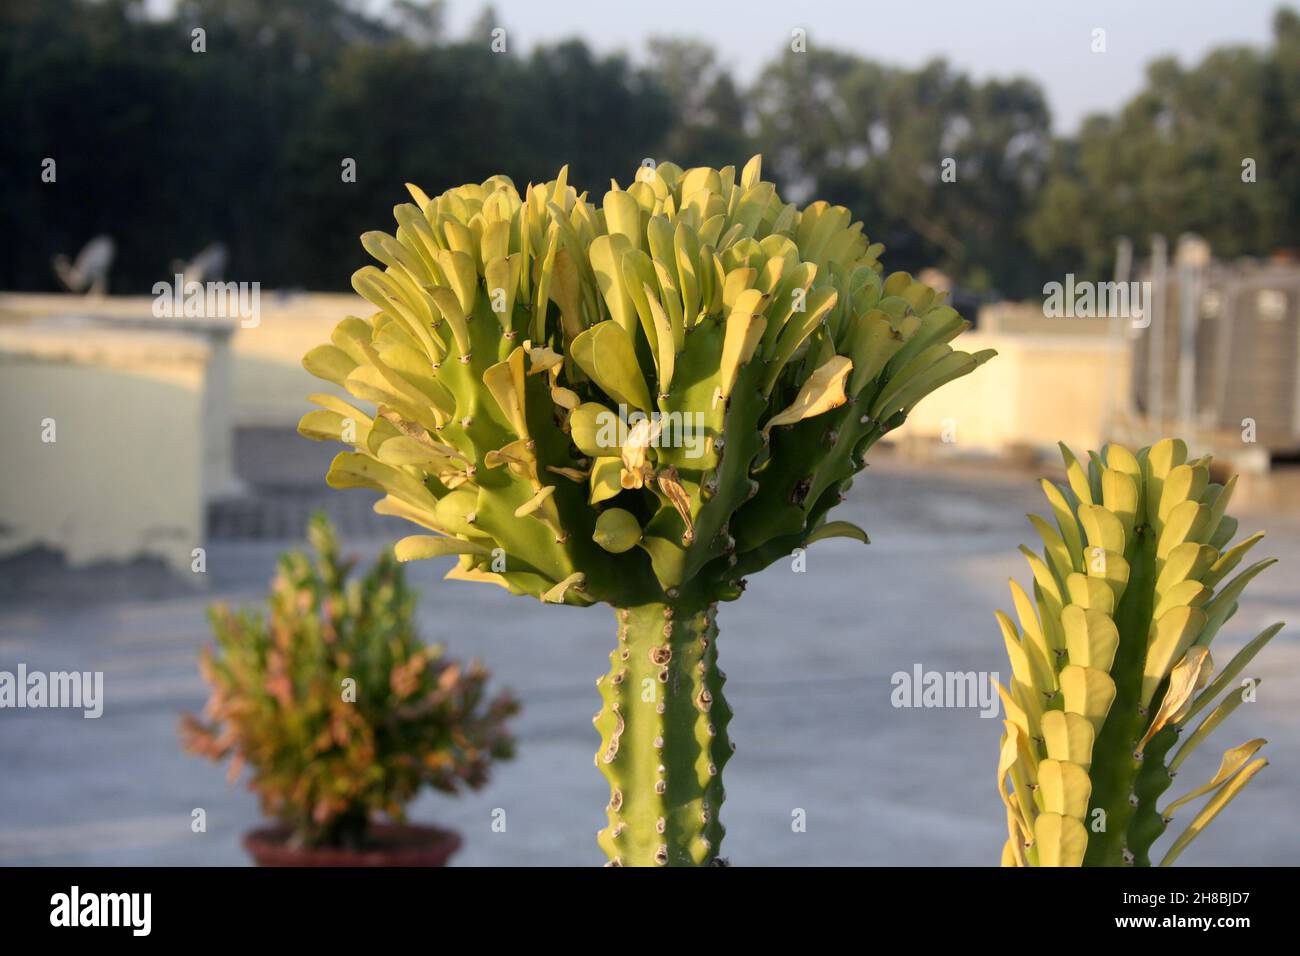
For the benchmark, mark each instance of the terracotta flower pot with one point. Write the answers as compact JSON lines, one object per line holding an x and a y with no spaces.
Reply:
{"x":387,"y":844}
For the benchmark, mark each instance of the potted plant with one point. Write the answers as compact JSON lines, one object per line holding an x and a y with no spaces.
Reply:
{"x":343,"y":714}
{"x":636,"y":403}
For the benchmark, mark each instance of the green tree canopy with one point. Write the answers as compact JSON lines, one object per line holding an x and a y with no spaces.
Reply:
{"x":168,"y":149}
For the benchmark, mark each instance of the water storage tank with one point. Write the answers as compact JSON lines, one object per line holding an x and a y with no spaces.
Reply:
{"x":1243,"y":353}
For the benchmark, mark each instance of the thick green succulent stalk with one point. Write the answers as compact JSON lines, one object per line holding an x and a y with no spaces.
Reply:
{"x":1111,"y":660}
{"x":663,"y":737}
{"x":636,"y":403}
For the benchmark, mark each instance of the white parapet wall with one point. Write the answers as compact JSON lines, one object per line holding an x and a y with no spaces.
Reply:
{"x":1039,"y":389}
{"x":269,"y":386}
{"x":102,"y":431}
{"x":1054,"y":379}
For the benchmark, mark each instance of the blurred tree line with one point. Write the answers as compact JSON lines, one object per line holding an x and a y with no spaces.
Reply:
{"x":168,"y":149}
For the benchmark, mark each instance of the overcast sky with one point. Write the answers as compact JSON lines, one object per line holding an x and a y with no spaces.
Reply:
{"x":1048,"y":40}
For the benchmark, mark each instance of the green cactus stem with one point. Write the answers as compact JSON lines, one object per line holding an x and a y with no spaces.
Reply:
{"x":634,"y":402}
{"x":1111,"y":660}
{"x":663,"y":737}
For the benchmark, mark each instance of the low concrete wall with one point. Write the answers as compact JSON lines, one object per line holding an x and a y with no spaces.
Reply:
{"x":1027,"y":318}
{"x":1054,"y":379}
{"x":124,"y":473}
{"x":1038,"y":390}
{"x":270,"y":386}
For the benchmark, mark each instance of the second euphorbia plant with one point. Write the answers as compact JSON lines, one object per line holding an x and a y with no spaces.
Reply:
{"x":1111,"y":660}
{"x":634,"y":402}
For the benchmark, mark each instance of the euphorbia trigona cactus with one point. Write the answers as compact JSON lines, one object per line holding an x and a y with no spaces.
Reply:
{"x":635,"y":403}
{"x":1112,"y":659}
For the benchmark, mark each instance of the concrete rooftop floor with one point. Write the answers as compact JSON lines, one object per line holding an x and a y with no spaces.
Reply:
{"x":808,"y":656}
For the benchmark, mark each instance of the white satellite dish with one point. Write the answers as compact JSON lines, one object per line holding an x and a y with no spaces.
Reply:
{"x":209,"y":264}
{"x":90,"y":272}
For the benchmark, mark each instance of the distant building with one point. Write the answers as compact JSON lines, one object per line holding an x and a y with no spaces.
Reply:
{"x":1222,"y":352}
